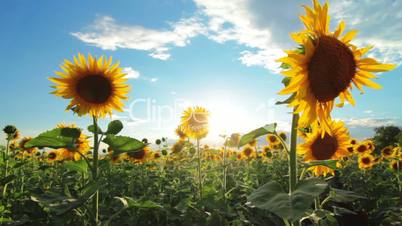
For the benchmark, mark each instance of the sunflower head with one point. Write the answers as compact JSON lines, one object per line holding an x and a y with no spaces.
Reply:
{"x":272,"y":139}
{"x":317,"y":147}
{"x":366,"y":161}
{"x":361,"y":148}
{"x":95,"y":86}
{"x":253,"y":143}
{"x":81,"y":145}
{"x":395,"y":164}
{"x":139,"y":156}
{"x":248,"y":152}
{"x":388,"y":152}
{"x":28,"y":151}
{"x":53,"y":155}
{"x":194,"y":122}
{"x":177,"y":147}
{"x":283,"y":135}
{"x":326,"y":67}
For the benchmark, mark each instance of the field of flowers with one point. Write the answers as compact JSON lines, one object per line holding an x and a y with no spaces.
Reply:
{"x":317,"y":174}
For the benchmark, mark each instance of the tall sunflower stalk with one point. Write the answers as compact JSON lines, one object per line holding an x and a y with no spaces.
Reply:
{"x":95,"y":87}
{"x":194,"y":124}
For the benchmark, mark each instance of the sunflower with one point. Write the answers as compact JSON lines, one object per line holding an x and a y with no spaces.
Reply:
{"x":317,"y":147}
{"x":388,"y":152}
{"x":194,"y":122}
{"x":266,"y":152}
{"x":248,"y":152}
{"x":235,"y":139}
{"x":361,"y":148}
{"x":140,"y":156}
{"x":325,"y":67}
{"x":179,"y":132}
{"x":273,"y":139}
{"x":353,"y":141}
{"x":283,"y":135}
{"x":81,"y":145}
{"x":95,"y":86}
{"x":370,"y":145}
{"x":53,"y":155}
{"x":394,"y":164}
{"x":366,"y":161}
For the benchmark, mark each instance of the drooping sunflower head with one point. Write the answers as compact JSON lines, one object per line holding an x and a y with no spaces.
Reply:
{"x":366,"y":161}
{"x":273,"y":139}
{"x":178,"y":146}
{"x":95,"y":86}
{"x":317,"y":147}
{"x":253,"y":143}
{"x":233,"y":140}
{"x":283,"y":135}
{"x":194,"y":122}
{"x":388,"y":152}
{"x":325,"y":67}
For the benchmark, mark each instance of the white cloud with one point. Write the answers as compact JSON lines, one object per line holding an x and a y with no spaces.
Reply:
{"x":153,"y":80}
{"x":107,"y":34}
{"x":368,"y":111}
{"x":131,"y":73}
{"x":261,"y":27}
{"x":370,"y":122}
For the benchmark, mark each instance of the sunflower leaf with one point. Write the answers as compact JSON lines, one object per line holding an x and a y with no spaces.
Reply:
{"x":331,"y":163}
{"x":80,"y":166}
{"x":114,"y":127}
{"x":91,"y":129}
{"x":269,"y":128}
{"x":286,"y":81}
{"x":339,"y":195}
{"x":287,"y":101}
{"x":292,"y":206}
{"x":122,"y":144}
{"x":55,"y":138}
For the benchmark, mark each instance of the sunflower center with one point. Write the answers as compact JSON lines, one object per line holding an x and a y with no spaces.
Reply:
{"x":331,"y":68}
{"x":387,"y":151}
{"x":361,"y":148}
{"x":247,"y":151}
{"x":52,"y":156}
{"x":324,"y":148}
{"x":272,"y":139}
{"x":95,"y":89}
{"x":366,"y":160}
{"x":137,"y":154}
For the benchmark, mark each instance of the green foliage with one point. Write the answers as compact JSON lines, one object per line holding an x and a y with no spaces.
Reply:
{"x":290,"y":206}
{"x":386,"y":135}
{"x":55,"y":138}
{"x":114,"y":127}
{"x":122,"y":144}
{"x":269,"y":128}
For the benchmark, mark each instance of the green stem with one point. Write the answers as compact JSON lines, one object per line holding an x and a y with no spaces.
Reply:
{"x":224,"y":172}
{"x":5,"y":158}
{"x":199,"y":169}
{"x":95,"y":199}
{"x":292,"y":156}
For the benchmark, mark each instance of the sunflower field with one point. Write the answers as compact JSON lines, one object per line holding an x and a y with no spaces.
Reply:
{"x":316,"y":174}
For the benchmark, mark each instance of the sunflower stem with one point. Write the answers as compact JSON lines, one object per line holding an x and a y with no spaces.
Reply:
{"x":292,"y":156}
{"x":95,"y":199}
{"x":199,"y":169}
{"x":5,"y":158}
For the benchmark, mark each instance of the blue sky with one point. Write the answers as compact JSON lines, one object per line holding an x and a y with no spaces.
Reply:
{"x":218,"y":54}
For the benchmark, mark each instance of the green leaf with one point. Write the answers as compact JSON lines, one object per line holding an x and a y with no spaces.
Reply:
{"x":286,"y":81}
{"x":339,"y":195}
{"x":114,"y":127}
{"x":55,"y":138}
{"x":269,"y":128}
{"x":80,"y":166}
{"x":287,"y":101}
{"x":285,"y":66}
{"x":122,"y":144}
{"x":331,"y":163}
{"x":61,"y":204}
{"x":91,"y":129}
{"x":146,"y":204}
{"x":293,"y":206}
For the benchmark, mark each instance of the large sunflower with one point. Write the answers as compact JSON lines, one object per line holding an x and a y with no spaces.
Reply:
{"x":317,"y":147}
{"x":95,"y":86}
{"x":325,"y":67}
{"x":194,"y":122}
